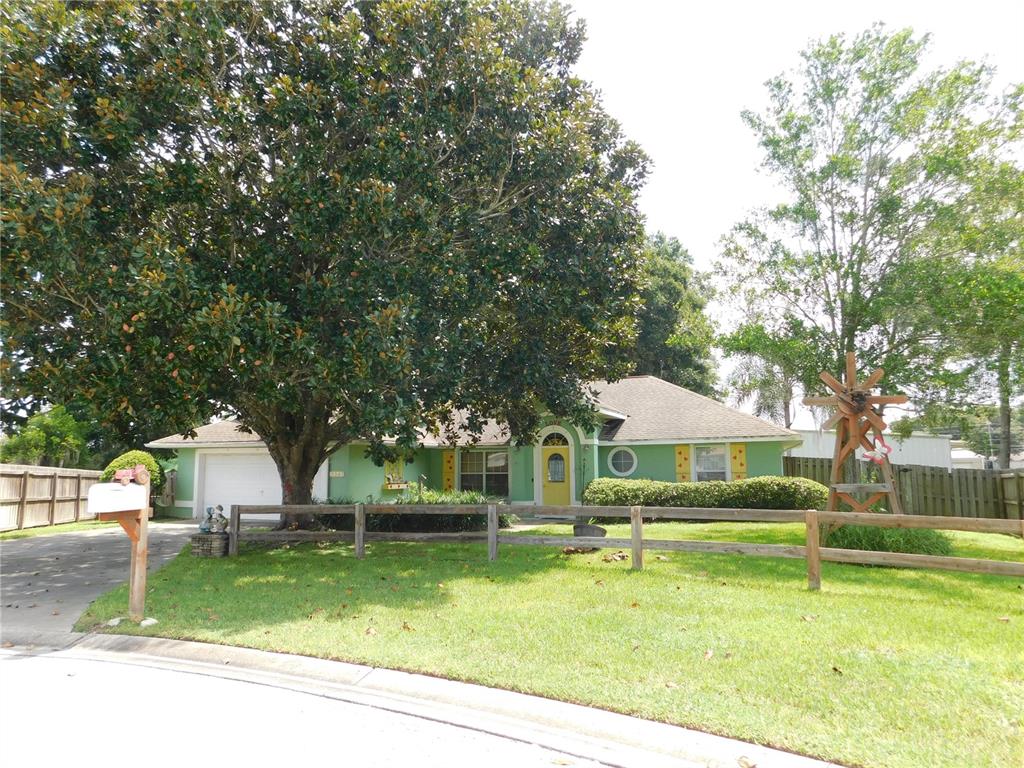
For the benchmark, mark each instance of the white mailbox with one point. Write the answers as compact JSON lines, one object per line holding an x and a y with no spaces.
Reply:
{"x":115,"y":497}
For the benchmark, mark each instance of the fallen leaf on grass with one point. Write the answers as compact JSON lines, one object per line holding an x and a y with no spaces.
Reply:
{"x":708,"y":654}
{"x":671,"y":685}
{"x":809,"y":617}
{"x":661,"y":557}
{"x":612,"y":557}
{"x":407,"y":627}
{"x":578,"y":550}
{"x":599,"y":582}
{"x":1004,"y":619}
{"x":440,"y":585}
{"x":370,"y":631}
{"x":837,"y":670}
{"x":634,"y":604}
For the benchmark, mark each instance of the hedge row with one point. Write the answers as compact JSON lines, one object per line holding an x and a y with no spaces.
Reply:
{"x":753,"y":493}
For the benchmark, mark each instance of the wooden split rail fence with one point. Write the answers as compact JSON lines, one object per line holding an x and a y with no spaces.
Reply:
{"x":32,"y":496}
{"x":812,"y":551}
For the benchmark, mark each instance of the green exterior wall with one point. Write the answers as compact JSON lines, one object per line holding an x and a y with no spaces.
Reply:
{"x":764,"y":459}
{"x":658,"y":462}
{"x":184,"y":485}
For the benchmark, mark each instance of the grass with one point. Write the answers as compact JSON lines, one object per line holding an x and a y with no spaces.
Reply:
{"x":82,"y":525}
{"x":49,"y":530}
{"x":883,"y":667}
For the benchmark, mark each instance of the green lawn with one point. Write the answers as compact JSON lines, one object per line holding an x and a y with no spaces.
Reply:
{"x":49,"y":530}
{"x":883,"y":667}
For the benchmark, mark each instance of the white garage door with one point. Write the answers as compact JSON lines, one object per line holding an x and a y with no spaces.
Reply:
{"x":246,"y":478}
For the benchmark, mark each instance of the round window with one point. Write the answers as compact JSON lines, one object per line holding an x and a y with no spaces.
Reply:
{"x":622,"y":461}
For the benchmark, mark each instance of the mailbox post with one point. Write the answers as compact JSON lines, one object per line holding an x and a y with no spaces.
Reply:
{"x":127,"y":501}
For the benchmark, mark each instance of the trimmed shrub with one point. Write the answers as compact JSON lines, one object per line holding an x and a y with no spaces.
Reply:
{"x":421,"y":523}
{"x":914,"y":541}
{"x":752,"y":493}
{"x":130,"y":459}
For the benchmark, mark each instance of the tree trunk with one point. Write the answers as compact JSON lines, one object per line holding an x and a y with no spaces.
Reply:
{"x":298,"y":454}
{"x":1003,"y":373}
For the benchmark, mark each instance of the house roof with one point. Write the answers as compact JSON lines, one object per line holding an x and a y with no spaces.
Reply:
{"x":658,"y":410}
{"x":637,"y":409}
{"x":216,"y":434}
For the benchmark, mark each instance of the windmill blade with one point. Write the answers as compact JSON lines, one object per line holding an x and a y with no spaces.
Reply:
{"x":873,"y":379}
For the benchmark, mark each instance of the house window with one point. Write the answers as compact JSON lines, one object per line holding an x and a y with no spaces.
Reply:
{"x":556,"y":468}
{"x":710,"y":462}
{"x":484,"y":471}
{"x":622,"y":462}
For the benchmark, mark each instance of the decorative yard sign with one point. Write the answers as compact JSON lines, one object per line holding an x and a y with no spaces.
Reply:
{"x":127,"y":501}
{"x":856,"y":417}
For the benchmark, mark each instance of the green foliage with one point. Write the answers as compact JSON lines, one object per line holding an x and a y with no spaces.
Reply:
{"x":880,"y":162}
{"x":674,"y":335}
{"x":918,"y":541}
{"x":335,"y":223}
{"x":421,"y":523}
{"x":753,"y":493}
{"x":131,"y":459}
{"x":51,"y":438}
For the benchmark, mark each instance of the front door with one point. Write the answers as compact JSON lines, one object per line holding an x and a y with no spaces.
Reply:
{"x":555,"y":471}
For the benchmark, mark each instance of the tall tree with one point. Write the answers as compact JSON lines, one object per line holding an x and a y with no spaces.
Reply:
{"x":771,"y":370}
{"x":872,"y":154}
{"x":336,"y":221}
{"x":674,"y":336}
{"x":52,"y":438}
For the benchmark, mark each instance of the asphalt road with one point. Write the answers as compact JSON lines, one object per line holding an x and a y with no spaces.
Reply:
{"x":106,"y":712}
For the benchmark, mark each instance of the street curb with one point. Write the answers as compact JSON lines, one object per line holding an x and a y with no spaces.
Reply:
{"x":583,"y":732}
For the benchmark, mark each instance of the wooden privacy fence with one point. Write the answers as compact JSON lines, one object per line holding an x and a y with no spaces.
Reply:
{"x":991,"y":493}
{"x":33,"y":496}
{"x":812,"y":551}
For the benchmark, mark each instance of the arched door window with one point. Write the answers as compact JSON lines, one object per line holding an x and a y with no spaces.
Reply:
{"x":556,"y":468}
{"x":555,"y":438}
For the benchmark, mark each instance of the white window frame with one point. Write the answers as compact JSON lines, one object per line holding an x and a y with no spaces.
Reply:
{"x":485,"y":452}
{"x":611,"y":466}
{"x":728,"y":463}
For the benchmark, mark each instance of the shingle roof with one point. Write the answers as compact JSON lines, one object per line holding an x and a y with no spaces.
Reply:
{"x":654,"y":409}
{"x":659,"y":410}
{"x":215,"y":433}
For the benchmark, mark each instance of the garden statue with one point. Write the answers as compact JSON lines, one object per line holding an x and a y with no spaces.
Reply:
{"x":218,"y":523}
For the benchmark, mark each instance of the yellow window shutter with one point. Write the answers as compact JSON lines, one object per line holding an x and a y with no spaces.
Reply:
{"x":738,"y":457}
{"x":448,"y":470}
{"x":683,"y":463}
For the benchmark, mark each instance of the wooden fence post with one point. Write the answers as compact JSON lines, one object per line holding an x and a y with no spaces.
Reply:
{"x":360,"y":531}
{"x":492,"y":532}
{"x":637,"y":525}
{"x":52,"y":510}
{"x":23,"y":501}
{"x":813,"y":549}
{"x":234,"y":528}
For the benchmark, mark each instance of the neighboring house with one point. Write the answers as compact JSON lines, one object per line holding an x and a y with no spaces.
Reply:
{"x":920,"y":448}
{"x":648,"y":428}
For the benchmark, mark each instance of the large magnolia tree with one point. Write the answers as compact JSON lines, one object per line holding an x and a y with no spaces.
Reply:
{"x":333,"y":220}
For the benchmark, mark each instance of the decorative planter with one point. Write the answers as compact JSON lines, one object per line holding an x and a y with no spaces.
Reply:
{"x":209,"y":545}
{"x":585,"y":529}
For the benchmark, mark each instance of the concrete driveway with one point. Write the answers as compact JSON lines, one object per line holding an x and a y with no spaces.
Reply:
{"x":46,"y":582}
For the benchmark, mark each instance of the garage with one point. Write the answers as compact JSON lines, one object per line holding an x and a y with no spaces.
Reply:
{"x":235,"y":477}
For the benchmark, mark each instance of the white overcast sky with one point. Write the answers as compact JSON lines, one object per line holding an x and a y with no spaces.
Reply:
{"x":676,"y":75}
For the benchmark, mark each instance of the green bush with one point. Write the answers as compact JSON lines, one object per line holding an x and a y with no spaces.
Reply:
{"x":752,"y":493}
{"x":915,"y":541}
{"x":421,"y":523}
{"x":129,"y":460}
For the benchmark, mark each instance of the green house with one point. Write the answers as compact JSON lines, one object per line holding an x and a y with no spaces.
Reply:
{"x":647,"y":428}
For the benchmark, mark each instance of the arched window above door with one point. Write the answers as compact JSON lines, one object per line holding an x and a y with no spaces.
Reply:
{"x":555,"y":438}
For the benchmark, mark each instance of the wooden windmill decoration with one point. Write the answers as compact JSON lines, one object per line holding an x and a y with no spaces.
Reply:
{"x":855,"y":418}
